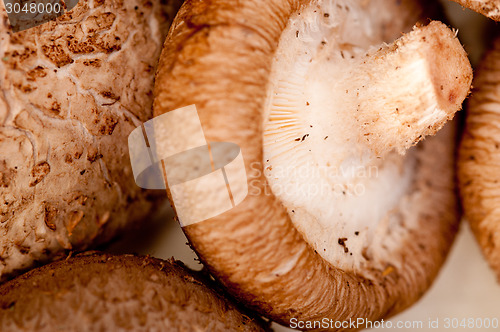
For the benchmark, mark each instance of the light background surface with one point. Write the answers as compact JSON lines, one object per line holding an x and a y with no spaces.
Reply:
{"x":465,"y":288}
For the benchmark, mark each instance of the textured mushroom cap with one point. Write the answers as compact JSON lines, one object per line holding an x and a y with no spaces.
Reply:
{"x":479,"y":158}
{"x":220,"y":58}
{"x":489,"y":8}
{"x":71,"y":91}
{"x":101,"y":292}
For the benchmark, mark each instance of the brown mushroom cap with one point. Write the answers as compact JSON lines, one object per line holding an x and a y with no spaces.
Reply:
{"x":102,"y":292}
{"x":489,"y":8}
{"x":479,"y":158}
{"x":71,"y":91}
{"x":221,"y":58}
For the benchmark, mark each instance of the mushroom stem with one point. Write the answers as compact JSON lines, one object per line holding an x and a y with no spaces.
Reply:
{"x":409,"y":89}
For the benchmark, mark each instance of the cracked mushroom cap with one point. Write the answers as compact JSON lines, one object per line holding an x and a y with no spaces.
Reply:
{"x":344,"y":217}
{"x":71,"y":91}
{"x":101,"y":292}
{"x":479,"y":158}
{"x":489,"y":8}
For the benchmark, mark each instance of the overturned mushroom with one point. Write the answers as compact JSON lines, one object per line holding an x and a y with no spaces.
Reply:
{"x":479,"y":158}
{"x":489,"y":8}
{"x":71,"y":91}
{"x":101,"y":292}
{"x":320,"y":106}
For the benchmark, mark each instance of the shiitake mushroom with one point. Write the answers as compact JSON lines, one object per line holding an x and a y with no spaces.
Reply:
{"x":71,"y":91}
{"x":489,"y":8}
{"x":479,"y":158}
{"x":312,"y":91}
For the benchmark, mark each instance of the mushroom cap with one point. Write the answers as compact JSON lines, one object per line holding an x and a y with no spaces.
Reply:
{"x":479,"y":158}
{"x":489,"y":8}
{"x":71,"y":90}
{"x":220,"y":58}
{"x":102,"y":292}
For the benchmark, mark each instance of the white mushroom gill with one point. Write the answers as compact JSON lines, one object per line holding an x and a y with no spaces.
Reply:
{"x":344,"y":108}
